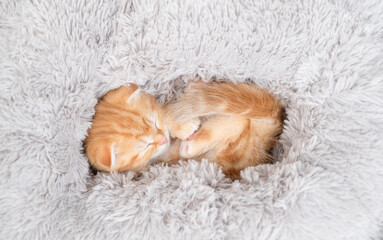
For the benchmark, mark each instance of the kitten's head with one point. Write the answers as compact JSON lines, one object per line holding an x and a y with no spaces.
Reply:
{"x":128,"y":131}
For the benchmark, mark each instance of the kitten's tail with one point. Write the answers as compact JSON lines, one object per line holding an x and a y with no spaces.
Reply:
{"x":205,"y":99}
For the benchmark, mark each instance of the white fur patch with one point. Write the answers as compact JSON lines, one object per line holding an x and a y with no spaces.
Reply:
{"x":113,"y":156}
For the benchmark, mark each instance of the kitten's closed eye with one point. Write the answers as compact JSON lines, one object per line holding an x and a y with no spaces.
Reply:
{"x":148,"y":145}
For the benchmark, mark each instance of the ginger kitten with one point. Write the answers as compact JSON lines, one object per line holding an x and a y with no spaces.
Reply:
{"x":242,"y":124}
{"x":129,"y":131}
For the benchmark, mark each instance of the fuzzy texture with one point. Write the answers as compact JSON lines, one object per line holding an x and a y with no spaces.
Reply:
{"x":324,"y":59}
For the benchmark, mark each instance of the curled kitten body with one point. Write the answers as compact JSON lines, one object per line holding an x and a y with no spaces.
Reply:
{"x":130,"y":129}
{"x":243,"y":124}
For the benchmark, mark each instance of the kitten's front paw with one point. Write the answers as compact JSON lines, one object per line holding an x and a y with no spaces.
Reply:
{"x":184,"y":130}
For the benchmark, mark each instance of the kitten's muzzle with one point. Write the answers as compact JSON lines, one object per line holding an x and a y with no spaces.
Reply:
{"x":161,"y":139}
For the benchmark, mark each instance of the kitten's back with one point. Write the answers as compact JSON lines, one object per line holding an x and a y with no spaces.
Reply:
{"x":204,"y":99}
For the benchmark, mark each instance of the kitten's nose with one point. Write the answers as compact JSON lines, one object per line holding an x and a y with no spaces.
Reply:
{"x":164,"y":140}
{"x":161,"y":139}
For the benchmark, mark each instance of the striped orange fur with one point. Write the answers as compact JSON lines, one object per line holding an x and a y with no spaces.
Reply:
{"x":129,"y":131}
{"x":240,"y":126}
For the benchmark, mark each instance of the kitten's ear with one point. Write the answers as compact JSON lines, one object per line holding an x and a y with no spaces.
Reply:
{"x":102,"y":157}
{"x":122,"y":94}
{"x":105,"y":156}
{"x":195,"y":83}
{"x":133,"y":93}
{"x":131,"y":88}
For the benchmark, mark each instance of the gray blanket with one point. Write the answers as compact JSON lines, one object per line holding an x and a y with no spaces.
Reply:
{"x":324,"y":59}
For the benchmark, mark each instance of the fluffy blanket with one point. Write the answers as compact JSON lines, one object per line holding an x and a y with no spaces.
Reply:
{"x":324,"y":59}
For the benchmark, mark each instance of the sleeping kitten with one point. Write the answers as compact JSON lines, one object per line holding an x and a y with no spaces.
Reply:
{"x":242,"y":124}
{"x":130,"y":130}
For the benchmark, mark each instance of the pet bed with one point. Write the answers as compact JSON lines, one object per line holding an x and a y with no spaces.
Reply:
{"x":323,"y":59}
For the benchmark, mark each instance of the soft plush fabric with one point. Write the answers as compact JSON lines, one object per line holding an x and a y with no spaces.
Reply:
{"x":323,"y":59}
